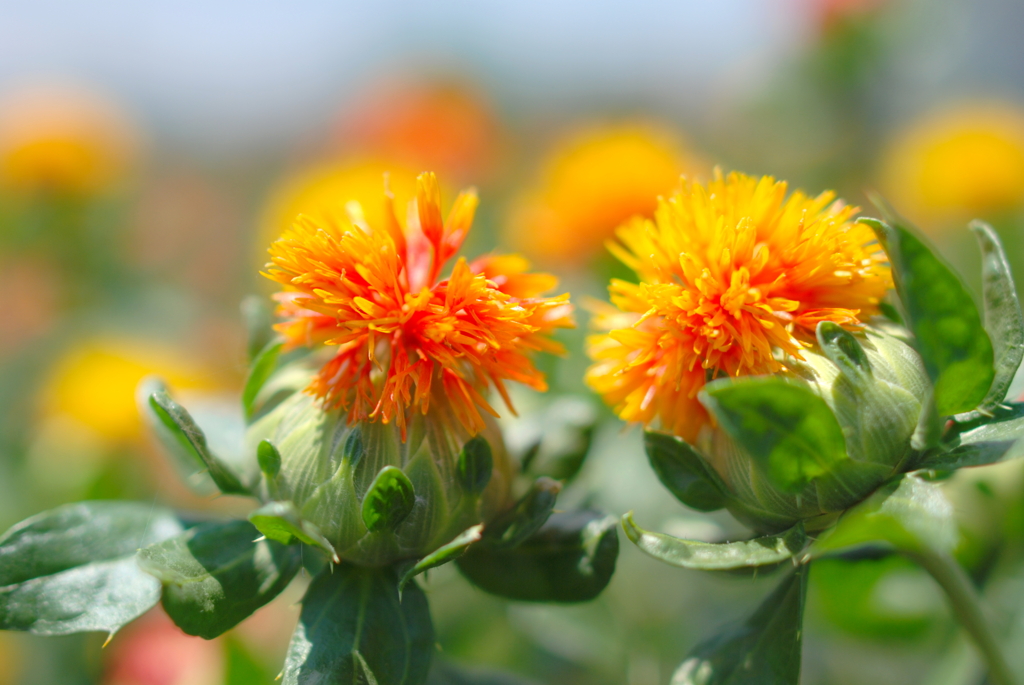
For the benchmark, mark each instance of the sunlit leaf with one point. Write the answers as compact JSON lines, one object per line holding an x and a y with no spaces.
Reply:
{"x":709,"y":556}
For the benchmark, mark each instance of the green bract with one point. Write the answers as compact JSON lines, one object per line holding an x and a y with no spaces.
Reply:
{"x":362,"y":493}
{"x":809,"y":443}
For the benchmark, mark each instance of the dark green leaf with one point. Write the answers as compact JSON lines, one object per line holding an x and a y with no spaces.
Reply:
{"x":215,"y":575}
{"x":789,"y":431}
{"x":942,"y":316}
{"x":354,"y":627}
{"x":708,"y":556}
{"x":526,"y":517}
{"x":1003,"y":319}
{"x":389,"y":500}
{"x":907,"y":513}
{"x":570,"y":559}
{"x":72,"y":569}
{"x":475,"y":464}
{"x":262,"y":367}
{"x":184,"y":435}
{"x":443,"y":554}
{"x":281,"y":521}
{"x":258,"y":323}
{"x":686,"y":474}
{"x":763,"y":650}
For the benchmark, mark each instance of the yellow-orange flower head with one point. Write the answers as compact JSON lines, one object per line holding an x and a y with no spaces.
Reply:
{"x":402,"y":331}
{"x":731,"y":273}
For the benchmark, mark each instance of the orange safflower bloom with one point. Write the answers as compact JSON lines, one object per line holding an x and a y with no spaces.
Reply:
{"x":730,"y":273}
{"x":402,"y":331}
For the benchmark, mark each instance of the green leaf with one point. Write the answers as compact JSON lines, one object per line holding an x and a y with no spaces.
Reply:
{"x":215,"y":575}
{"x":789,"y":431}
{"x":686,"y":474}
{"x":262,"y":367}
{"x":570,"y":559}
{"x":995,"y":440}
{"x":389,"y":500}
{"x":443,"y":554}
{"x":475,"y":464}
{"x":708,"y":556}
{"x":942,"y":316}
{"x":1003,"y":319}
{"x":763,"y":650}
{"x":907,"y":513}
{"x":281,"y":521}
{"x":525,"y":518}
{"x":186,"y":437}
{"x":258,"y":324}
{"x":72,"y":569}
{"x":355,"y":629}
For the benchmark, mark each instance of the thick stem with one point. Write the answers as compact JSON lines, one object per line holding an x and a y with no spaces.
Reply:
{"x":966,"y":604}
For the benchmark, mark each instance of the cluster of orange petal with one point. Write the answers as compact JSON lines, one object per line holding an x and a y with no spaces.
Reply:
{"x":402,"y":331}
{"x":729,"y":273}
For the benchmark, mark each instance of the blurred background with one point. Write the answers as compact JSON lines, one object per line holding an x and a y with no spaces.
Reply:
{"x":149,"y":153}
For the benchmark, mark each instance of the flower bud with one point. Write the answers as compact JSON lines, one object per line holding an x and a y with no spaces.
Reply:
{"x":875,"y":385}
{"x":373,"y":497}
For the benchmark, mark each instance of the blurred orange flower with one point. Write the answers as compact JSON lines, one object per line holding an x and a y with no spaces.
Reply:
{"x":730,"y":272}
{"x":94,"y":383}
{"x":591,"y":182}
{"x":958,"y":163}
{"x":404,"y":333}
{"x":322,"y":192}
{"x":447,"y":126}
{"x":63,"y":140}
{"x":30,"y":288}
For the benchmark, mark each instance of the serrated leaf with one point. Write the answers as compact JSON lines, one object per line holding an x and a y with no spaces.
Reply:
{"x":526,"y":517}
{"x":443,"y":554}
{"x":215,"y":575}
{"x":763,"y":650}
{"x":996,"y":440}
{"x":354,"y":627}
{"x":262,"y":368}
{"x":789,"y":431}
{"x":570,"y":559}
{"x":685,"y":473}
{"x":186,"y":436}
{"x":72,"y":569}
{"x":389,"y":500}
{"x":281,"y":521}
{"x":943,"y":317}
{"x":906,"y":513}
{"x":708,"y":556}
{"x":1003,"y":319}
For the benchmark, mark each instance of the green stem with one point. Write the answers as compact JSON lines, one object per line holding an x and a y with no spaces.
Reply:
{"x":966,"y":604}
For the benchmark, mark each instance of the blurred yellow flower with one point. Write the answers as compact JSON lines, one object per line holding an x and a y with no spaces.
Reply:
{"x":958,"y":163}
{"x":322,"y":193}
{"x":731,"y":272}
{"x":591,"y":182}
{"x":62,"y":140}
{"x":445,"y":125}
{"x":94,"y":384}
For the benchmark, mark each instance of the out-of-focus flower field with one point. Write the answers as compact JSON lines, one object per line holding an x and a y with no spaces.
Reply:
{"x":142,"y":180}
